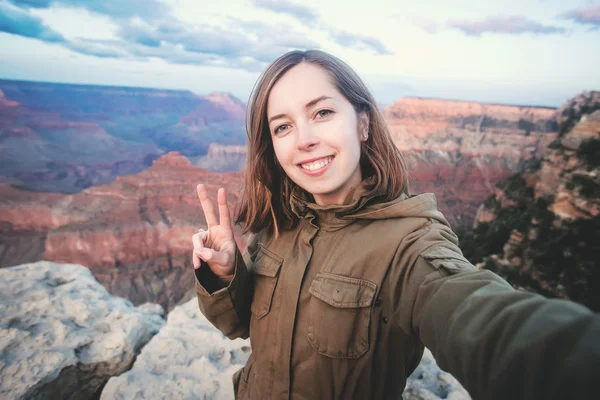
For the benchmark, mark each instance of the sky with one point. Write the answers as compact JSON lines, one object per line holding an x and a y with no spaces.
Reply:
{"x":527,"y":52}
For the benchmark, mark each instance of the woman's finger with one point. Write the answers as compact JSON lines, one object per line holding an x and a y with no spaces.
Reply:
{"x":198,"y":240}
{"x":207,"y":206}
{"x":224,"y":209}
{"x":212,"y":256}
{"x":198,"y":243}
{"x":195,"y":259}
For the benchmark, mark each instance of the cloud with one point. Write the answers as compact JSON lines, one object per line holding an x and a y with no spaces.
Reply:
{"x":33,"y":3}
{"x":250,"y":45}
{"x":149,"y":9}
{"x":168,"y":52}
{"x":197,"y":38}
{"x":304,"y":14}
{"x":507,"y":25}
{"x":426,"y":24}
{"x":311,"y":18}
{"x":99,"y":48}
{"x":359,"y":42}
{"x":147,"y":29}
{"x":175,"y":42}
{"x":584,"y":16}
{"x":272,"y":40}
{"x":19,"y":22}
{"x":510,"y":25}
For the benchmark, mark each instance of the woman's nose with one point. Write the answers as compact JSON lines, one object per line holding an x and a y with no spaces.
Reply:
{"x":307,"y":137}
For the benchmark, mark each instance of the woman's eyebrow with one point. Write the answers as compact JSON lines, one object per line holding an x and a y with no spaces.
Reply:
{"x":315,"y":101}
{"x":308,"y":105}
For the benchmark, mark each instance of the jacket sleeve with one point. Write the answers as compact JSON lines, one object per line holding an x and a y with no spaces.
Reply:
{"x":227,"y":307}
{"x":500,"y":343}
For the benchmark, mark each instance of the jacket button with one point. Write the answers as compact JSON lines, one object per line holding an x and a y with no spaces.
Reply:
{"x":378,"y":302}
{"x":385,"y":320}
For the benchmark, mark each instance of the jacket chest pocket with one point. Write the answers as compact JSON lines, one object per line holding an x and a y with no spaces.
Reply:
{"x":340,"y":315}
{"x":266,"y":268}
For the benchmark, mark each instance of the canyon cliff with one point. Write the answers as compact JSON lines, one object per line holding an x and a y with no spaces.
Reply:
{"x":222,"y":158}
{"x":541,"y":228}
{"x":134,"y":233}
{"x":460,"y":150}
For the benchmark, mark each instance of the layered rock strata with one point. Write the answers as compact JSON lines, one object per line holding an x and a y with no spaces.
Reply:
{"x":134,"y":234}
{"x":459,"y":150}
{"x":541,"y":228}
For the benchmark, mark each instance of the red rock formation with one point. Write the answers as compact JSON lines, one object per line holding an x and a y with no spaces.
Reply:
{"x":541,"y":229}
{"x":134,"y":233}
{"x":459,"y":150}
{"x":216,"y":107}
{"x":235,"y":108}
{"x":224,"y":158}
{"x":4,"y":102}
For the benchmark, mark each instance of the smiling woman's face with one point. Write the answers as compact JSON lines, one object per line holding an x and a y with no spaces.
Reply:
{"x":315,"y":133}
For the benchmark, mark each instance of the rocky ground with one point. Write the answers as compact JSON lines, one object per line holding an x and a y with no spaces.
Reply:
{"x":62,"y":336}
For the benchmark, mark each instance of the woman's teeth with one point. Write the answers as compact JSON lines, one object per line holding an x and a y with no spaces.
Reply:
{"x":317,"y":164}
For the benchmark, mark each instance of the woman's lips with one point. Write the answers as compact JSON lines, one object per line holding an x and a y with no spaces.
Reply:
{"x":318,"y":170}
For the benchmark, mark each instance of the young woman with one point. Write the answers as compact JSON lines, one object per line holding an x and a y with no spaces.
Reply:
{"x":347,"y":276}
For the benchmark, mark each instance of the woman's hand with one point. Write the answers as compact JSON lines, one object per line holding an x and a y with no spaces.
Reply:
{"x":216,"y":246}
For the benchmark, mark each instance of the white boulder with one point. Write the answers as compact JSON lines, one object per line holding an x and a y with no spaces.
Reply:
{"x":187,"y":359}
{"x":62,"y":335}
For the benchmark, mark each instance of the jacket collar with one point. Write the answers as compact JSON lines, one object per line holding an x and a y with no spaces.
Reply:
{"x":334,"y":216}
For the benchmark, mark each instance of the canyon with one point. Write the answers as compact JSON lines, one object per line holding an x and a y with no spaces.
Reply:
{"x":105,"y":176}
{"x":65,"y":138}
{"x":134,"y":233}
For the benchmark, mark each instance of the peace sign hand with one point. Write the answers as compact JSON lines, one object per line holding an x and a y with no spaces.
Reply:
{"x":216,"y":247}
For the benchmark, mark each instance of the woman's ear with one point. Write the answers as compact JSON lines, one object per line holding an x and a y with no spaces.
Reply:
{"x":363,"y":126}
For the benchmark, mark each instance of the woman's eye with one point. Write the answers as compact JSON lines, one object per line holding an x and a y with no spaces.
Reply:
{"x":279,"y":129}
{"x":324,"y":113}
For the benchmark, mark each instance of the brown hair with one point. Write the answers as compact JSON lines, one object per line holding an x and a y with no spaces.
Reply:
{"x":265,"y":202}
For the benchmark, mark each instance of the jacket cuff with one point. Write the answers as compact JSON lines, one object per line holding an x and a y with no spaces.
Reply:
{"x":225,"y":306}
{"x":207,"y":282}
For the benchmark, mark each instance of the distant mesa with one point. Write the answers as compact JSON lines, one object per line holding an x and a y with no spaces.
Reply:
{"x":172,"y":159}
{"x":224,"y":158}
{"x":215,"y":108}
{"x":235,"y":106}
{"x":4,"y":102}
{"x":460,"y":150}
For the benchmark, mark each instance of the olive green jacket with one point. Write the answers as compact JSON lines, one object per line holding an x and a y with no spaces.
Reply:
{"x":341,"y":307}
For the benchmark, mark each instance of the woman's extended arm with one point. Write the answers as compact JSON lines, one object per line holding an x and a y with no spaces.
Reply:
{"x":500,"y":343}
